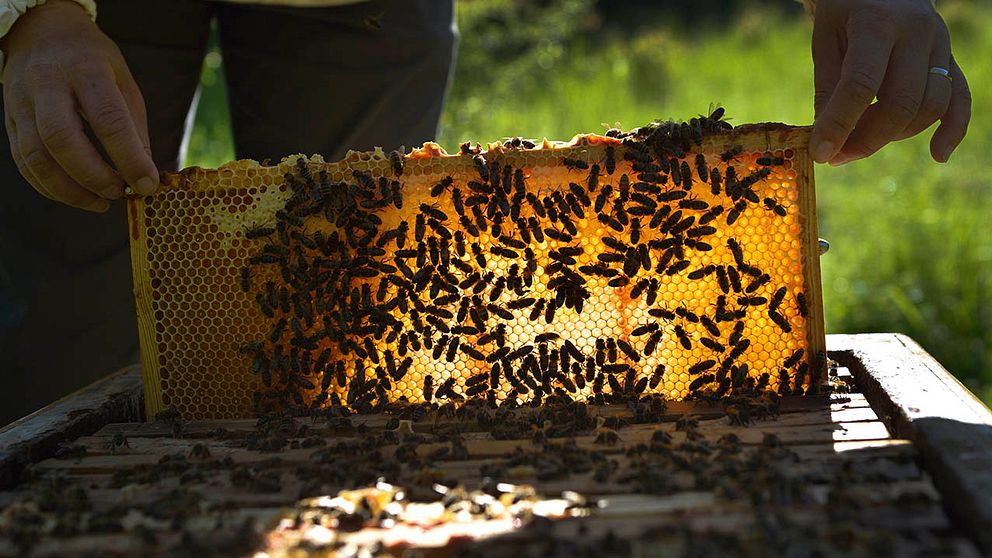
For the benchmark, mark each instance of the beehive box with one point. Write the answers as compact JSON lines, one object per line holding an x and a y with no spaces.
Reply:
{"x":895,"y":461}
{"x":382,"y":281}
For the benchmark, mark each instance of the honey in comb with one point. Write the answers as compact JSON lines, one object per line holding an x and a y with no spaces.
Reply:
{"x":245,"y":195}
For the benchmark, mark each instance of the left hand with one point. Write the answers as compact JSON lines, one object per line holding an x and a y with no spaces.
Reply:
{"x":863,"y":49}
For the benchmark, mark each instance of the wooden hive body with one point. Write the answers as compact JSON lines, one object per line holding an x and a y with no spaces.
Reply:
{"x":189,"y":246}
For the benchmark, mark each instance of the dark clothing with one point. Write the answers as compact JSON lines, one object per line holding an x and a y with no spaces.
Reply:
{"x":300,"y":80}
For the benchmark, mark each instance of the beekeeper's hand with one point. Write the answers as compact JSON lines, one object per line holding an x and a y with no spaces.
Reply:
{"x":898,"y":51}
{"x":60,"y":71}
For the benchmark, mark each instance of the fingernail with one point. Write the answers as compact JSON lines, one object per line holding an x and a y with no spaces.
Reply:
{"x":946,"y":153}
{"x":822,"y":151}
{"x":146,"y":186}
{"x":840,"y":159}
{"x":99,"y":206}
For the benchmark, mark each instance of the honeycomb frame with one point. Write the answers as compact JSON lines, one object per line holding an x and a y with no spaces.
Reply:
{"x":188,"y":248}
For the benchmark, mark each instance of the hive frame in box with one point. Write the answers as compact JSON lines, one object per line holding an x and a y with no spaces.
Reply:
{"x":208,"y":231}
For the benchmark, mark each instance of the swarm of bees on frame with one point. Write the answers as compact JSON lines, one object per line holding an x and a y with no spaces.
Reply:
{"x":491,"y":285}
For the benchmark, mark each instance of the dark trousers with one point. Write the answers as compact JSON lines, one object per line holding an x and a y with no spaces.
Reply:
{"x":300,"y":80}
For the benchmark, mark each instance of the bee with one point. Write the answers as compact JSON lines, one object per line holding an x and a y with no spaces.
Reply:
{"x":276,"y":332}
{"x":702,"y":366}
{"x":443,"y":185}
{"x":683,"y":338}
{"x":656,"y":376}
{"x":757,"y":283}
{"x":692,"y":203}
{"x":775,"y":207}
{"x":801,"y":304}
{"x":722,"y":279}
{"x":780,"y":321}
{"x":611,"y":161}
{"x":762,"y":382}
{"x":751,"y":300}
{"x":731,"y":153}
{"x":687,"y":314}
{"x":246,"y":279}
{"x":546,"y":337}
{"x":701,"y":381}
{"x":428,"y":388}
{"x":652,"y":343}
{"x":628,"y":350}
{"x":735,"y":336}
{"x":396,"y":161}
{"x":259,"y":232}
{"x":504,"y":252}
{"x":677,"y":267}
{"x":769,"y":161}
{"x":537,"y":310}
{"x":452,"y":349}
{"x":715,"y":181}
{"x":433,"y":213}
{"x":574,"y":164}
{"x":739,"y":349}
{"x":264,"y":306}
{"x":777,"y":298}
{"x":481,"y":167}
{"x":793,"y":359}
{"x":674,"y":170}
{"x":591,"y":184}
{"x":686,"y":173}
{"x":735,"y":213}
{"x":710,"y":325}
{"x":712,"y":344}
{"x":645,"y":329}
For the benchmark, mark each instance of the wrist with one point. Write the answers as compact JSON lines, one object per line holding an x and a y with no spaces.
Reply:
{"x":16,"y":15}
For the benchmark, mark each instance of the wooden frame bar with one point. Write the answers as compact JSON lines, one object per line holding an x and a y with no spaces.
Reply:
{"x":116,"y":398}
{"x":920,"y":400}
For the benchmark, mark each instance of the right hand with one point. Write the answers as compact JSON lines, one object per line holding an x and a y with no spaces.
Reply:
{"x":60,"y":70}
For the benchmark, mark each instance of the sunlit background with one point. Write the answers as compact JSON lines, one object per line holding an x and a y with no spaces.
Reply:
{"x":911,"y":239}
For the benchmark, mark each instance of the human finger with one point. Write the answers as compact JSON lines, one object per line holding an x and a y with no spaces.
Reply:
{"x":937,"y":95}
{"x":103,"y":106}
{"x":862,"y":73}
{"x":136,"y":104}
{"x":15,"y":154}
{"x":828,"y":57}
{"x":61,"y":130}
{"x":954,"y":122}
{"x":936,"y":100}
{"x":35,"y":158}
{"x":899,"y":100}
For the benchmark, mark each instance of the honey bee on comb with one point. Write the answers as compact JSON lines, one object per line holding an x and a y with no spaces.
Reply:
{"x":465,"y":266}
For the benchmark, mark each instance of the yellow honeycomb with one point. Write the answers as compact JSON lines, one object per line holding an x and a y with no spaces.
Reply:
{"x":191,"y":245}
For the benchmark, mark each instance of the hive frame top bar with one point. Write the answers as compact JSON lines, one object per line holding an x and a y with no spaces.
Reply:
{"x":224,"y":396}
{"x":762,"y":136}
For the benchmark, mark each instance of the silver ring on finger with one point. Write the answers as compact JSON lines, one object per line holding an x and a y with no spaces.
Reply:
{"x":938,"y":71}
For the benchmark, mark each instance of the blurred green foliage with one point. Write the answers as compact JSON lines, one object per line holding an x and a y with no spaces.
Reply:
{"x":912,"y":249}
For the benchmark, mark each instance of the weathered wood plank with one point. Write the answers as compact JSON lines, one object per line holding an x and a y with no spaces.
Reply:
{"x":37,"y":436}
{"x":923,"y":402}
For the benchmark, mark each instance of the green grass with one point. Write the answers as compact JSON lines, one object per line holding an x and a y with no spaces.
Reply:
{"x":911,"y":249}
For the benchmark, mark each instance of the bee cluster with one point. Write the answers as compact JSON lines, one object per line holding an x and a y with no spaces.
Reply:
{"x":650,"y":477}
{"x":616,"y":274}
